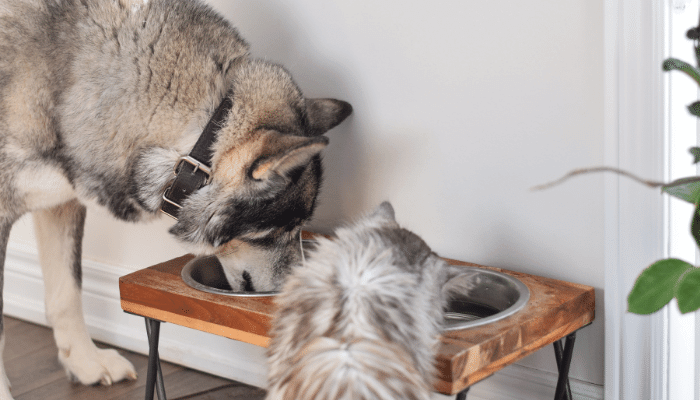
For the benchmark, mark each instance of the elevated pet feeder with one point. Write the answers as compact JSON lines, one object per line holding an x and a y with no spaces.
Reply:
{"x":498,"y":323}
{"x":496,"y":295}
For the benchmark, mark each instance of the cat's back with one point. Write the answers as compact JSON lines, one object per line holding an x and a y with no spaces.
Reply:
{"x":363,"y":306}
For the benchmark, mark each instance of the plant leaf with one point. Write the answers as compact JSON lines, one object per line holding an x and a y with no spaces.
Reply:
{"x":688,"y":291}
{"x":695,"y":108}
{"x":695,"y":151}
{"x":687,"y":189}
{"x":695,"y":225}
{"x":656,"y":286}
{"x":674,"y":63}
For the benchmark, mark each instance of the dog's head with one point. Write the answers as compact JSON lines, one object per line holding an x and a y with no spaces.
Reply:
{"x":266,"y":174}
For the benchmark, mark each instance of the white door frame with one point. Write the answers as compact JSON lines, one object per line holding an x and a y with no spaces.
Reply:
{"x":638,"y":355}
{"x":635,"y":356}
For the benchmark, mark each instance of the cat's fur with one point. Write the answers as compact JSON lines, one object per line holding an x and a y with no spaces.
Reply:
{"x":361,"y":317}
{"x":98,"y":101}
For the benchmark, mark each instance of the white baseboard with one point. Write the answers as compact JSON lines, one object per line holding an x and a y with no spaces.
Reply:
{"x":517,"y":382}
{"x":23,"y":295}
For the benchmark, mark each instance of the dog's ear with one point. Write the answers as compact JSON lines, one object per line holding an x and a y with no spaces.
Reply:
{"x":292,"y":152}
{"x":324,"y":114}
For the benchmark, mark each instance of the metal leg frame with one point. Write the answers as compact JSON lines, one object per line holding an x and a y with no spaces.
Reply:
{"x":463,"y":394}
{"x":154,"y":377}
{"x":563,"y":356}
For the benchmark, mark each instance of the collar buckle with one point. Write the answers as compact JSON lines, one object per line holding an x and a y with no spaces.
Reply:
{"x":198,"y":166}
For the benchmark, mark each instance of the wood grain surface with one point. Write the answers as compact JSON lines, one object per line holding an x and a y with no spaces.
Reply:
{"x":555,"y":309}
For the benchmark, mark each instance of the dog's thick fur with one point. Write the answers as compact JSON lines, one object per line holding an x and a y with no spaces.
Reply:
{"x":361,"y":317}
{"x":98,"y":101}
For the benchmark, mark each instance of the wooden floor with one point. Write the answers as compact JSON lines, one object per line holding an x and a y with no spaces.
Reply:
{"x":35,"y":373}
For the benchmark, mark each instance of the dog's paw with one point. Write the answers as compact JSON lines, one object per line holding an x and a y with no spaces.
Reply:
{"x":5,"y":391}
{"x":103,"y":366}
{"x":5,"y":394}
{"x":4,"y":383}
{"x":5,"y":379}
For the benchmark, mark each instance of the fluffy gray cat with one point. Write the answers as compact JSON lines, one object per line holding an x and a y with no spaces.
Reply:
{"x":361,"y":317}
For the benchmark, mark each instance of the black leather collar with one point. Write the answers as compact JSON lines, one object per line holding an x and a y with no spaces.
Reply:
{"x":193,"y":171}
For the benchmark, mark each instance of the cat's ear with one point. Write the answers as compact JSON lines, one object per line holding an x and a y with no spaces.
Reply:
{"x":385,"y":211}
{"x":324,"y":114}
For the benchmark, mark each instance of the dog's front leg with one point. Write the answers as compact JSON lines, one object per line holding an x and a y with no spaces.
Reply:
{"x":5,"y":225}
{"x":59,"y":233}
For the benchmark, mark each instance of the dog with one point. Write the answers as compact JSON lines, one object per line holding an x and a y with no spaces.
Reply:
{"x":143,"y":106}
{"x":360,"y":319}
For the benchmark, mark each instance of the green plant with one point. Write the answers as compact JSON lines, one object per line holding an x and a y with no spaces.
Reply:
{"x":669,"y":278}
{"x":665,"y":279}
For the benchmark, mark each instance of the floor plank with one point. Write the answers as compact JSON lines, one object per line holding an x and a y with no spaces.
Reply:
{"x":180,"y":384}
{"x":33,"y":369}
{"x":236,"y":391}
{"x":22,"y":338}
{"x":65,"y":389}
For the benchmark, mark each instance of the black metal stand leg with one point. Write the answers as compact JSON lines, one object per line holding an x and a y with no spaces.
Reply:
{"x":154,"y":377}
{"x":462,"y":395}
{"x":558,"y":353}
{"x":563,"y":357}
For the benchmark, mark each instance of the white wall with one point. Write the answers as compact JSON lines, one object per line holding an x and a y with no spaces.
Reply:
{"x":460,"y":107}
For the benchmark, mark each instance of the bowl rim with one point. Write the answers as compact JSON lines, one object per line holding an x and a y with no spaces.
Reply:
{"x":514,"y":308}
{"x":521,"y":288}
{"x":186,"y":275}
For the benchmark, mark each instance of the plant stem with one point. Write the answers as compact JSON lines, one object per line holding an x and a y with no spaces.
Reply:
{"x":581,"y":171}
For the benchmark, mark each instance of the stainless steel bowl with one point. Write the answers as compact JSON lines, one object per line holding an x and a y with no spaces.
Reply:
{"x":205,"y":273}
{"x":496,"y":296}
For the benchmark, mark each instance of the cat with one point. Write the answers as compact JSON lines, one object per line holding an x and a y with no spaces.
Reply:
{"x":360,"y":318}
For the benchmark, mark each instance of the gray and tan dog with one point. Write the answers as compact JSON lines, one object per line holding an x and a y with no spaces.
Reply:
{"x":100,"y":100}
